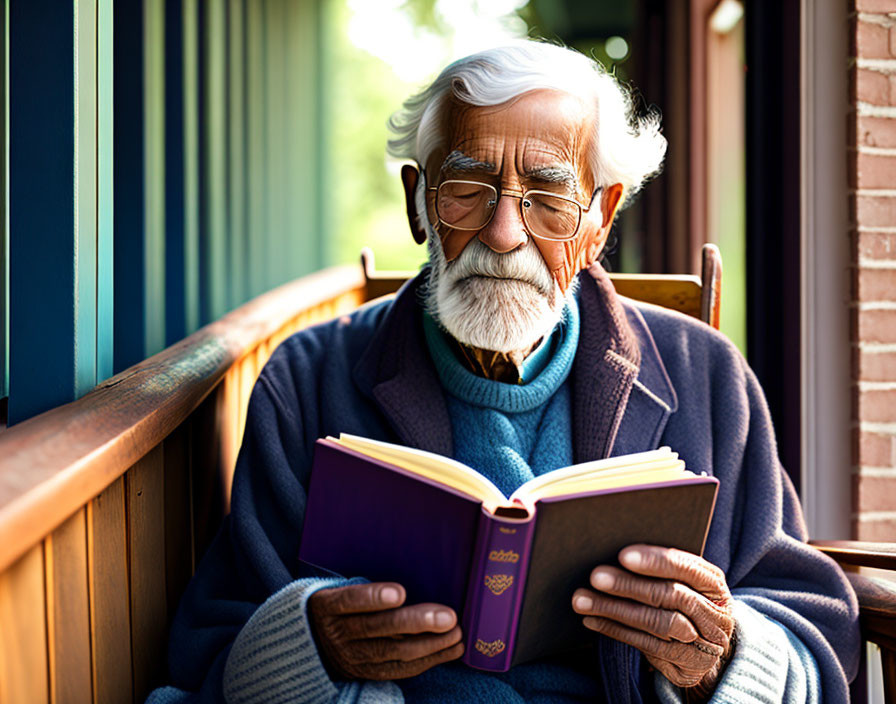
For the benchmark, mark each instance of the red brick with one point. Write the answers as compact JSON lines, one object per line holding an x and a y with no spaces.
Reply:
{"x":875,"y":366}
{"x":877,"y":406}
{"x":875,"y":245}
{"x":875,"y":211}
{"x":875,"y":284}
{"x":875,"y":131}
{"x":870,"y":86}
{"x":876,"y":531}
{"x":875,"y":171}
{"x":873,"y":449}
{"x":875,"y":325}
{"x":872,"y":40}
{"x":880,"y":6}
{"x":874,"y":493}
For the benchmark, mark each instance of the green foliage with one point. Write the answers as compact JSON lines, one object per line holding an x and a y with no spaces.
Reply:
{"x":364,"y":200}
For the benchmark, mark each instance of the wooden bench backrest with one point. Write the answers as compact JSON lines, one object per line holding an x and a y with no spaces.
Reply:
{"x":107,"y":503}
{"x":696,"y":296}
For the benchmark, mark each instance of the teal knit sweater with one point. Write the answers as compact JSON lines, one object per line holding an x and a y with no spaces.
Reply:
{"x":510,"y":433}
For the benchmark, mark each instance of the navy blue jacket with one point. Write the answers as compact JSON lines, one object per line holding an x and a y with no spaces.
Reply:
{"x":674,"y":381}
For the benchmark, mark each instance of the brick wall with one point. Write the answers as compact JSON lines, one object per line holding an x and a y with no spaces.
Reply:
{"x":872,"y":173}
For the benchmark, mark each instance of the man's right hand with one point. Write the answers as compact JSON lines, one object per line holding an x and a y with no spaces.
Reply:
{"x":364,"y":632}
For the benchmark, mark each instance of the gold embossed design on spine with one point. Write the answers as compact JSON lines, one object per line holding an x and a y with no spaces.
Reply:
{"x":499,"y":583}
{"x":490,"y":649}
{"x":503,"y":556}
{"x":509,"y":531}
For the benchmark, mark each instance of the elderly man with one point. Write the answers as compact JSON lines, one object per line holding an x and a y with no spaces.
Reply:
{"x":503,"y":355}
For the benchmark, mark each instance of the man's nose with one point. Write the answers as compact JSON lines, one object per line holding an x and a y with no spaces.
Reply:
{"x":506,"y":231}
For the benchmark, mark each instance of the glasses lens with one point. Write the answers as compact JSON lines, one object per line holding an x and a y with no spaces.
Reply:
{"x":550,"y":216}
{"x":466,"y":206}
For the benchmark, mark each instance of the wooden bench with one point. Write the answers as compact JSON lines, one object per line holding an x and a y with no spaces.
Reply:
{"x":107,"y":503}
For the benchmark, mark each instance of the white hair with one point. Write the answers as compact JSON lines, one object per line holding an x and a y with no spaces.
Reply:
{"x":626,"y":149}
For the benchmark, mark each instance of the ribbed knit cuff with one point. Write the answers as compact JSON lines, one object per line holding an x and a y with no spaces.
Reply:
{"x":770,"y":665}
{"x":274,"y":657}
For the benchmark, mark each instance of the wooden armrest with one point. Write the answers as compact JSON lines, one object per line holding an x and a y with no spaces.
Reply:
{"x":877,"y":597}
{"x":877,"y":608}
{"x":859,"y":553}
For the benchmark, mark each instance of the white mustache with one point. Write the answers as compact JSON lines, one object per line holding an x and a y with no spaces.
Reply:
{"x":524,"y":264}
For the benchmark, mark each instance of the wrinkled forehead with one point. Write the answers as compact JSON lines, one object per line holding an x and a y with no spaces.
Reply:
{"x":539,"y":131}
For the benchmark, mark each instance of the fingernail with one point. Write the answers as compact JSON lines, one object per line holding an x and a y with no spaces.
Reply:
{"x":584,"y":603}
{"x":389,"y":595}
{"x":443,"y":619}
{"x":601,"y":580}
{"x":633,"y":558}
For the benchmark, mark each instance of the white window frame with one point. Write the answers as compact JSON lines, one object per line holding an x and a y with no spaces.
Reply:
{"x":826,"y":424}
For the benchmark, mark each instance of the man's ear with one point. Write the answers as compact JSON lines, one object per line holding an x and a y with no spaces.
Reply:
{"x":409,"y":178}
{"x":611,"y":199}
{"x":610,"y":202}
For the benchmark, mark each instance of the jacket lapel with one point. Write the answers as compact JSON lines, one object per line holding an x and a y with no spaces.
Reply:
{"x":622,"y":396}
{"x":652,"y":399}
{"x":396,"y":372}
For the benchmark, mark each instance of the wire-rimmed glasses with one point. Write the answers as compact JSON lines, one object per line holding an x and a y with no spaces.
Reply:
{"x":470,"y":205}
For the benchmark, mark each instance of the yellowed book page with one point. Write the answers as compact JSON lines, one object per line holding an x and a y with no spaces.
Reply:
{"x":669,"y":474}
{"x":625,"y":465}
{"x":430,"y":465}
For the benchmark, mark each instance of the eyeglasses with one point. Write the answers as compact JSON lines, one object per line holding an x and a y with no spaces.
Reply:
{"x":470,"y":205}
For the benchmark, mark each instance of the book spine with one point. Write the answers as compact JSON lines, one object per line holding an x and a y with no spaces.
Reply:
{"x":495,"y":592}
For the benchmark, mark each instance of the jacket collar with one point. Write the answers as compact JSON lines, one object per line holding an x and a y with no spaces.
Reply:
{"x":396,"y":371}
{"x":621,"y":394}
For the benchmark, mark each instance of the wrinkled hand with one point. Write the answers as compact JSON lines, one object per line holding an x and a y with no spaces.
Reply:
{"x":363,"y":634}
{"x":671,"y":605}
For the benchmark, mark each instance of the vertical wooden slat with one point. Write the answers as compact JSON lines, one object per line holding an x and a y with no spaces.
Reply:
{"x":68,"y":611}
{"x":52,"y":239}
{"x":85,"y":196}
{"x":191,"y":98}
{"x":175,"y":249}
{"x":236,"y":62}
{"x":110,"y":620}
{"x":146,"y":544}
{"x":154,"y":174}
{"x":204,"y":460}
{"x":228,"y":421}
{"x":105,"y":193}
{"x":178,"y":516}
{"x":23,"y":634}
{"x":280,"y":249}
{"x":214,"y":146}
{"x":248,"y":375}
{"x":259,"y":276}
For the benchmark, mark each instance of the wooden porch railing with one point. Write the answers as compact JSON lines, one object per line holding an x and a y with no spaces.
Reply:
{"x":107,"y":503}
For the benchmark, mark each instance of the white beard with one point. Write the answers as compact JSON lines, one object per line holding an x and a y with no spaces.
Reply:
{"x":500,"y":302}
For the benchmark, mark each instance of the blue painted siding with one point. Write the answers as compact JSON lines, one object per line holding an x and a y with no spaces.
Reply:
{"x":162,"y":171}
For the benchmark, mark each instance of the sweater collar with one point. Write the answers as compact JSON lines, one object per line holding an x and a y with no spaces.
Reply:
{"x":621,"y":394}
{"x":462,"y":383}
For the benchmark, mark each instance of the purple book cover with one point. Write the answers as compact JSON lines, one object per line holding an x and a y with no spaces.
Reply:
{"x":509,"y":577}
{"x":367,"y":518}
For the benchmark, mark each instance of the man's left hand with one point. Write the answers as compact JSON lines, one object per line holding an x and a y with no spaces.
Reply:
{"x":671,"y":605}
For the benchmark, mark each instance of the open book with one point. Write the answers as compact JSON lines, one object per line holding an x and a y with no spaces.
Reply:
{"x":507,"y":565}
